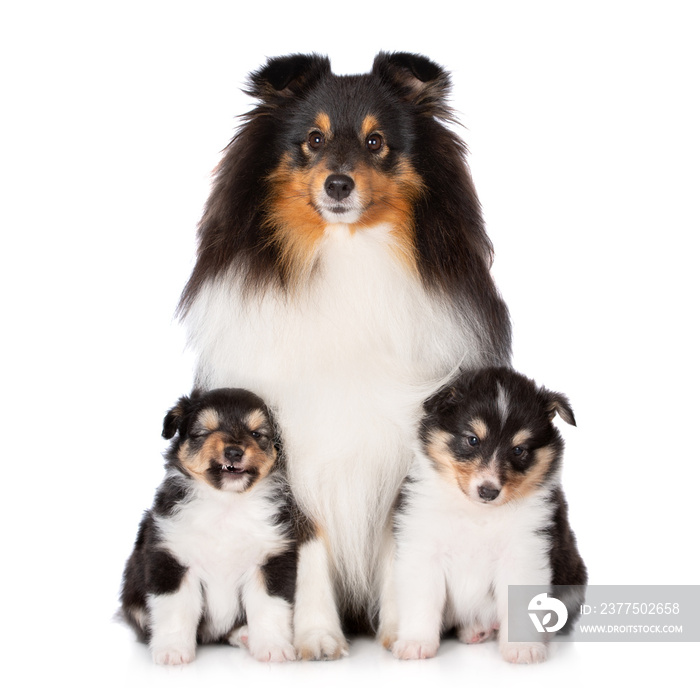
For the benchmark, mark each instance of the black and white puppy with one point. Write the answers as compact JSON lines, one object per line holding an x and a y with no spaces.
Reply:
{"x":483,"y":509}
{"x":215,"y":558}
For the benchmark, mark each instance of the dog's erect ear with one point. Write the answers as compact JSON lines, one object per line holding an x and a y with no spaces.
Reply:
{"x":558,"y":403}
{"x":287,"y":76}
{"x":175,"y":417}
{"x":417,"y":79}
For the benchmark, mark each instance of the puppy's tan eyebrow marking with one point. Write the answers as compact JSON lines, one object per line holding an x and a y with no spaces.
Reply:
{"x":521,"y":436}
{"x":209,"y":419}
{"x":480,"y":428}
{"x":256,"y":420}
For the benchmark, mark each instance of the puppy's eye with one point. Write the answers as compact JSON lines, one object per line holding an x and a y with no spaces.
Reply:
{"x":316,"y":140}
{"x":374,"y":142}
{"x":518,"y":451}
{"x":198,"y":434}
{"x":255,"y":434}
{"x":472,"y":440}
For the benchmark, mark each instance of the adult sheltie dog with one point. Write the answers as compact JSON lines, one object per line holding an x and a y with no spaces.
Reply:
{"x":343,"y":275}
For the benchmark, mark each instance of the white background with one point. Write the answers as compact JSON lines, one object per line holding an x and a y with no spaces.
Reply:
{"x":582,"y":122}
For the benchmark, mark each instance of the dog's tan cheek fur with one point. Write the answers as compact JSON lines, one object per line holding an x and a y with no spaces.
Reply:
{"x":519,"y":485}
{"x":457,"y":472}
{"x":392,"y":197}
{"x":296,"y":227}
{"x":261,"y":459}
{"x":198,"y":461}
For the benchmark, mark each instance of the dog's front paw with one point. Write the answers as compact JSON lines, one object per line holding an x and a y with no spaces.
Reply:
{"x":275,"y":653}
{"x":321,"y":645}
{"x":410,"y":650}
{"x":239,"y":637}
{"x":524,"y":652}
{"x":173,"y":656}
{"x":475,"y":633}
{"x":386,"y":638}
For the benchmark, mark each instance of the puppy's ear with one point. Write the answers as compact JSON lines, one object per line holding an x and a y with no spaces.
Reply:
{"x":287,"y":76}
{"x":558,"y":403}
{"x":417,"y":79}
{"x":175,"y":417}
{"x":443,"y":400}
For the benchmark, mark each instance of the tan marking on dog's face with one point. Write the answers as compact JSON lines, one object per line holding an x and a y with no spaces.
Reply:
{"x":469,"y":474}
{"x":456,"y":472}
{"x":521,"y":484}
{"x":389,"y":199}
{"x":323,"y":123}
{"x":208,"y":418}
{"x":370,"y":125}
{"x":521,"y":436}
{"x":264,"y":460}
{"x":257,"y":421}
{"x":480,"y":429}
{"x":211,"y":451}
{"x":197,"y":461}
{"x":296,"y":226}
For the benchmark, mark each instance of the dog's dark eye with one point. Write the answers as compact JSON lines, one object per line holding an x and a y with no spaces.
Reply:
{"x":473,"y":440}
{"x":316,"y":140}
{"x":374,"y":142}
{"x":256,"y":434}
{"x":518,"y":451}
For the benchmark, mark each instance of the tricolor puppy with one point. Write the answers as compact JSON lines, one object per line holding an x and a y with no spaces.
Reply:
{"x":482,"y":510}
{"x":215,"y":559}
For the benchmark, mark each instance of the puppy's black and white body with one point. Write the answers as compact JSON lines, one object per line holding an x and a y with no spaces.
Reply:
{"x":483,"y":509}
{"x":216,"y":551}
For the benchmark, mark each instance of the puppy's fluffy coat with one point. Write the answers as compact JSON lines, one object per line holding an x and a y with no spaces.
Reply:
{"x":483,"y":509}
{"x":215,"y":552}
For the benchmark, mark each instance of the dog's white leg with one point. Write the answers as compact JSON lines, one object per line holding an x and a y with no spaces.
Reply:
{"x":174,"y":618}
{"x":388,"y":610}
{"x":420,"y":597}
{"x":518,"y":570}
{"x":317,"y":631}
{"x":269,"y":633}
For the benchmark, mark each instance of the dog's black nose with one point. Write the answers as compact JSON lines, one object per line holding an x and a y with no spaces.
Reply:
{"x":488,"y":492}
{"x":339,"y":186}
{"x":233,"y":454}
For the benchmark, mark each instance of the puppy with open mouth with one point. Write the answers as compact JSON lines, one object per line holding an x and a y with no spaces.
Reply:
{"x":215,"y":556}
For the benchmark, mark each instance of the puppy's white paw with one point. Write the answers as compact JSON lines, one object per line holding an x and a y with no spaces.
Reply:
{"x":321,"y":645}
{"x":475,"y":633}
{"x":524,"y":652}
{"x":239,"y":637}
{"x":387,"y":638}
{"x":409,"y":650}
{"x":274,"y":653}
{"x":173,"y":656}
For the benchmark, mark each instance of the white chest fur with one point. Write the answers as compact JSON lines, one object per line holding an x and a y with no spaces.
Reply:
{"x":346,"y":359}
{"x":223,"y":538}
{"x":478,"y":550}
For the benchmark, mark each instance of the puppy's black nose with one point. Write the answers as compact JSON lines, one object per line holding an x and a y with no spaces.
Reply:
{"x":339,"y":186}
{"x":488,"y":492}
{"x":233,"y":454}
